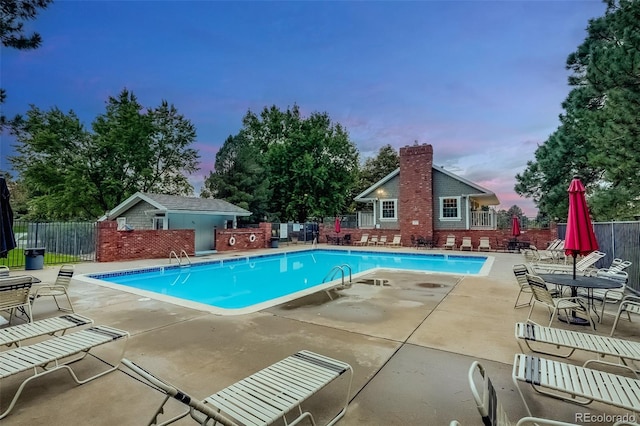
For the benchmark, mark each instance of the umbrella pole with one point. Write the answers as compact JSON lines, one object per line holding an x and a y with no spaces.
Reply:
{"x":574,"y":265}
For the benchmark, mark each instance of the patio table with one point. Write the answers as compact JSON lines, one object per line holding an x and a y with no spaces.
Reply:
{"x":588,"y":283}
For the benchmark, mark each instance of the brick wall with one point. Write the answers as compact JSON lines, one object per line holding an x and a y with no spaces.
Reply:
{"x":497,"y":238}
{"x":415,"y":205}
{"x":243,"y":238}
{"x":114,"y":245}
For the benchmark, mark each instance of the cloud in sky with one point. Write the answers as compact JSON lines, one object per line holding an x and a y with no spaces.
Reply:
{"x":481,"y":81}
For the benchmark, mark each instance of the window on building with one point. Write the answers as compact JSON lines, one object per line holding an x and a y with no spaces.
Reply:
{"x":388,"y":209}
{"x":121,"y":223}
{"x":158,"y":222}
{"x":450,"y":208}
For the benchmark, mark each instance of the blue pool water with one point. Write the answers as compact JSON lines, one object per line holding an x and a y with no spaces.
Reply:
{"x":244,"y":282}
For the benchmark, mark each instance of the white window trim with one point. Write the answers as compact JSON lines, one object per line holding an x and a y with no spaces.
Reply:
{"x":156,"y":219}
{"x":122,"y":223}
{"x":451,"y":219}
{"x":395,"y":210}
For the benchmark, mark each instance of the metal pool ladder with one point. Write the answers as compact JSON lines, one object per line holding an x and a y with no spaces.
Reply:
{"x":179,"y":259}
{"x":332,"y":274}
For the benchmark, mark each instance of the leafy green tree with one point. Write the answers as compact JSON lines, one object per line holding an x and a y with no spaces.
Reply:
{"x":240,"y":177}
{"x":309,"y":163}
{"x":73,"y":173}
{"x":601,"y":124}
{"x":13,"y":14}
{"x":313,"y":171}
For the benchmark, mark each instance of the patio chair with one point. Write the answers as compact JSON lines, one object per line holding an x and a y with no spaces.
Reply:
{"x":563,"y":343}
{"x":629,"y":305}
{"x":466,"y":244}
{"x":396,"y":242}
{"x":52,"y":355}
{"x":363,"y":240}
{"x":262,"y":398}
{"x":17,"y":334}
{"x":4,"y":271}
{"x":575,"y":384}
{"x":57,"y":289}
{"x":542,"y":295}
{"x":422,"y":242}
{"x":450,"y":243}
{"x":484,"y":244}
{"x":373,"y":241}
{"x":520,"y":271}
{"x":382,"y":241}
{"x":14,"y":295}
{"x":491,"y":409}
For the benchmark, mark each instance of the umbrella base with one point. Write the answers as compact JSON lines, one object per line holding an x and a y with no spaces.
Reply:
{"x":573,"y":320}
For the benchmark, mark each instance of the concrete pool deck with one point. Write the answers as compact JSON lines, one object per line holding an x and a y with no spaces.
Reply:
{"x":410,"y":342}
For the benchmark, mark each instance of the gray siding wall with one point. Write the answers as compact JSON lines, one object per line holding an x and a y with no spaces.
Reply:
{"x":390,"y":190}
{"x":136,"y":217}
{"x":446,"y":186}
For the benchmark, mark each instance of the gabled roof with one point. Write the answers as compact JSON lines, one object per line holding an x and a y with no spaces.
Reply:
{"x":175,"y":203}
{"x":362,"y":196}
{"x":488,"y":196}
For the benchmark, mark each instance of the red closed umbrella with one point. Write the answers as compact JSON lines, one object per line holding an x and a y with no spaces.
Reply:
{"x":579,"y":238}
{"x":515,"y":226}
{"x":337,"y":226}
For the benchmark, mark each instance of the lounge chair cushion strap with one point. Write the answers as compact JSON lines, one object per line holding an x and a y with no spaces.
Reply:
{"x":76,"y":319}
{"x":320,"y":362}
{"x":114,"y":334}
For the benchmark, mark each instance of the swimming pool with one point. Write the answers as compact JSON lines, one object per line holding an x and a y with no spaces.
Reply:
{"x":247,"y":284}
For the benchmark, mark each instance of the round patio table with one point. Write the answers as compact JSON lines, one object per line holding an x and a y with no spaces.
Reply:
{"x":581,"y":281}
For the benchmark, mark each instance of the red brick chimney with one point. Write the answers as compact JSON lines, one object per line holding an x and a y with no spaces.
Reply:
{"x":415,"y":206}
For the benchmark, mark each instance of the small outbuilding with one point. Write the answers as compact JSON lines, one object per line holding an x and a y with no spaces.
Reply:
{"x":158,"y":211}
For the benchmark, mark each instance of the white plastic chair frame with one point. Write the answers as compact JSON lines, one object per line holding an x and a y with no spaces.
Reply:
{"x":60,"y":288}
{"x":629,"y":305}
{"x":491,"y":409}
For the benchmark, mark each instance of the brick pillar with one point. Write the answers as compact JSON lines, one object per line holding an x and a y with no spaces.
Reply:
{"x":415,"y":207}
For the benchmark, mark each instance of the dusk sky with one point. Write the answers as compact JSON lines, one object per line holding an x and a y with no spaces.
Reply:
{"x":482,"y":81}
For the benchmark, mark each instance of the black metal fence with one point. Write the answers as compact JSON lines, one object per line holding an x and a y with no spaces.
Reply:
{"x":617,"y":240}
{"x":58,"y":242}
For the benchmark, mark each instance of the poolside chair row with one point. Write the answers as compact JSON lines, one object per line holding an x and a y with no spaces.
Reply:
{"x":376,"y":240}
{"x":55,"y":353}
{"x":483,"y":244}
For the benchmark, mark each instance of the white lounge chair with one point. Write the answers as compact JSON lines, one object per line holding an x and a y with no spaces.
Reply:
{"x":574,"y":383}
{"x":383,"y":240}
{"x":57,"y":289}
{"x":536,"y":338}
{"x":396,"y":242}
{"x":466,"y":244}
{"x":450,"y":243}
{"x":490,"y":408}
{"x":14,"y":295}
{"x":262,"y":398}
{"x":373,"y":241}
{"x":484,"y":244}
{"x":363,"y":240}
{"x":51,"y":355}
{"x":17,"y":334}
{"x":583,"y":266}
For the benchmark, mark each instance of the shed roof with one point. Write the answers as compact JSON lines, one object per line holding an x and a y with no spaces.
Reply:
{"x":175,"y":203}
